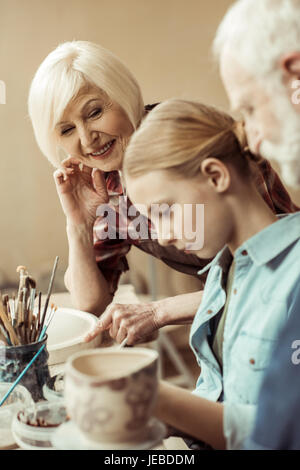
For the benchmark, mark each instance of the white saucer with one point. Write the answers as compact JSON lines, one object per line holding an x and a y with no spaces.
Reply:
{"x":68,"y":437}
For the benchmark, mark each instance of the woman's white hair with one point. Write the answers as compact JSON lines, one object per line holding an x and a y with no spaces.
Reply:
{"x":64,"y":72}
{"x":259,"y":32}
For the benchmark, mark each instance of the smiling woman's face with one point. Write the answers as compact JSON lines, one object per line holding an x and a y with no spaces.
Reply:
{"x":95,"y":130}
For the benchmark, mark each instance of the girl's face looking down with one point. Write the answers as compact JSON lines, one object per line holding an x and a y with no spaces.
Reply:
{"x":94,"y":130}
{"x":176,"y":205}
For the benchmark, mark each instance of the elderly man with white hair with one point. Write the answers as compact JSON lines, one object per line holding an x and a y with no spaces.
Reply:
{"x":258,"y":49}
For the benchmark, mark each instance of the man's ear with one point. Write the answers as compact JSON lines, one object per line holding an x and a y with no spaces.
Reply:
{"x":217,"y":174}
{"x":290,"y":64}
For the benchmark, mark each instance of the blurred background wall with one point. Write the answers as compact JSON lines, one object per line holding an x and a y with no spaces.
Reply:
{"x":165,"y":43}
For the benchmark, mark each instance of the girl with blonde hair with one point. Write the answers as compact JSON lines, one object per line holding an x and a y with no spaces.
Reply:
{"x":183,"y":155}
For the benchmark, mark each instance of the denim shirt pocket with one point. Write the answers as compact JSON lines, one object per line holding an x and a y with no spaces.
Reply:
{"x":249,"y":358}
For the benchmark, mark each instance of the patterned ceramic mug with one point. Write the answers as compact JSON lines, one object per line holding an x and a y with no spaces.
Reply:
{"x":110,"y":393}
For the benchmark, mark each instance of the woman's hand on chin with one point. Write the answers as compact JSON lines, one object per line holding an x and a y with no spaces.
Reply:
{"x":81,"y":191}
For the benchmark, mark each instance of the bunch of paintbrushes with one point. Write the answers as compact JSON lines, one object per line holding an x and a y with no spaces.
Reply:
{"x":22,"y":318}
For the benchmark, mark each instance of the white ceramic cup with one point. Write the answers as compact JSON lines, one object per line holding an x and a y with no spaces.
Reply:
{"x":110,"y":393}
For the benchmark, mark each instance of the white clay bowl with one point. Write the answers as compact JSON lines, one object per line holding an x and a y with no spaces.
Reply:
{"x":66,"y":333}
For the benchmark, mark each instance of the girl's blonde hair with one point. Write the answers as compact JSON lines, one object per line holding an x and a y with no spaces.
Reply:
{"x":64,"y":72}
{"x":178,"y":135}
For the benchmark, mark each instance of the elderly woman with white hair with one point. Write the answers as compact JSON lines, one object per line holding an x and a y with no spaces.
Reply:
{"x":258,"y":48}
{"x":84,"y":105}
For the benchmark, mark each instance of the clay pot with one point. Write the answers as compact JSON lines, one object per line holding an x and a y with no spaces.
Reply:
{"x":110,"y":393}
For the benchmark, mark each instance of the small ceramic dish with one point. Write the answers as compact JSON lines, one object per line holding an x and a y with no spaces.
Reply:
{"x":19,"y":399}
{"x":68,"y":437}
{"x":33,"y":428}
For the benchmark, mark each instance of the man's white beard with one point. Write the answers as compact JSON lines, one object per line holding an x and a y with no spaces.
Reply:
{"x":287,"y":151}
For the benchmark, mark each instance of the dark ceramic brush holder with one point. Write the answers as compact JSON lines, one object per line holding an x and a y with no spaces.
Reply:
{"x":14,"y":359}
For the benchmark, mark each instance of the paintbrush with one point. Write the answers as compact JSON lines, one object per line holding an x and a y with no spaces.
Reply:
{"x":30,"y":312}
{"x":12,"y":304}
{"x":39,"y":311}
{"x":49,"y":320}
{"x":11,"y":332}
{"x":22,"y":283}
{"x":4,"y":334}
{"x":33,"y":329}
{"x":20,"y":317}
{"x":3,"y":338}
{"x":22,"y":270}
{"x":31,"y":282}
{"x":25,"y":313}
{"x":5,"y":305}
{"x":48,"y":296}
{"x":37,"y":320}
{"x":8,"y":309}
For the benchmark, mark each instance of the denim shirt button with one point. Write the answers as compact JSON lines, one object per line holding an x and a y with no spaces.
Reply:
{"x":244,"y":252}
{"x":209,"y":312}
{"x":235,"y":291}
{"x":252,"y":361}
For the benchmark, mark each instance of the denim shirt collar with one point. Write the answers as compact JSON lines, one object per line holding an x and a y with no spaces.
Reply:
{"x":223,"y":259}
{"x":265,"y":245}
{"x":274,"y":239}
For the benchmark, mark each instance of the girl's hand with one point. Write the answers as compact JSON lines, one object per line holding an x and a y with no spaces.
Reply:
{"x":80,"y":191}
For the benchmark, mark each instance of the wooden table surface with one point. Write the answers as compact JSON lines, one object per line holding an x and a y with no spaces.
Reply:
{"x":125,"y":294}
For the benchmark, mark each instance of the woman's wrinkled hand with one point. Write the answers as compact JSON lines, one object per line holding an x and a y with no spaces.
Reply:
{"x":136,"y":322}
{"x":80,"y":191}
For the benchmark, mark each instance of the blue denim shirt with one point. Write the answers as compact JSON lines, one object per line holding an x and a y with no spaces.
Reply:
{"x":277,"y":424}
{"x":266,"y":273}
